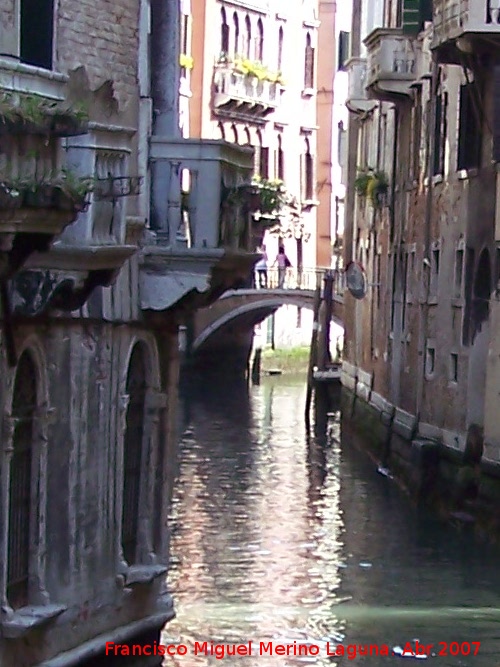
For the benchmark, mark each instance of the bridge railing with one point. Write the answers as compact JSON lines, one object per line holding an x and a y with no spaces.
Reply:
{"x":304,"y":279}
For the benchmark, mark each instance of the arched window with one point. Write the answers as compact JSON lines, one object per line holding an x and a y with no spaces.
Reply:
{"x":308,"y":173}
{"x":248,"y":37}
{"x":224,"y":32}
{"x":20,"y":492}
{"x":309,"y":63}
{"x":260,"y":41}
{"x":280,"y":49}
{"x":132,"y":453}
{"x":236,"y":27}
{"x":37,"y":32}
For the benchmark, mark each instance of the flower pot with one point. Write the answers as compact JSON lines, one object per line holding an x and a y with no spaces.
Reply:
{"x":67,"y":125}
{"x":40,"y":196}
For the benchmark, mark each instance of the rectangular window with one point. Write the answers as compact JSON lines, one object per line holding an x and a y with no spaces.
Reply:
{"x":435,"y":260}
{"x":469,"y":128}
{"x":37,"y":32}
{"x":416,"y":138}
{"x":440,"y":130}
{"x":497,"y":269}
{"x":264,"y":162}
{"x":430,"y":360}
{"x":453,"y":367}
{"x":376,"y":279}
{"x":459,"y":272}
{"x":392,"y":263}
{"x":343,"y":53}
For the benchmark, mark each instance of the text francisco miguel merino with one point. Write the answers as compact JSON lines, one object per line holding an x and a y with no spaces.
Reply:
{"x":221,"y":651}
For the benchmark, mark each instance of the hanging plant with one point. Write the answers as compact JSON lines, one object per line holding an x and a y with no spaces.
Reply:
{"x":65,"y":192}
{"x":373,"y":185}
{"x":378,"y":188}
{"x":32,"y":114}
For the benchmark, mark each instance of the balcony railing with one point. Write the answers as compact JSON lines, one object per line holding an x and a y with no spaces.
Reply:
{"x":243,"y":94}
{"x":203,"y":177}
{"x":392,"y":58}
{"x":455,"y":19}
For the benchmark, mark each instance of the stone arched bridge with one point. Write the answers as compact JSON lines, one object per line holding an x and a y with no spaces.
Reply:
{"x":234,"y":315}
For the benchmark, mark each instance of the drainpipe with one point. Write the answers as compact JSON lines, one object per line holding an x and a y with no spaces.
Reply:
{"x":424,"y":306}
{"x":373,"y":237}
{"x":165,"y":79}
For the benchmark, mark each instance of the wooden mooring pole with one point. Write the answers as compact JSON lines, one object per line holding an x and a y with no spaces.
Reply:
{"x":328,"y":298}
{"x":313,"y":353}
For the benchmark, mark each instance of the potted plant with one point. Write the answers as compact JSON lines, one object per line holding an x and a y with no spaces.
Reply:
{"x":362,"y":180}
{"x":378,"y":188}
{"x":72,"y":192}
{"x":372,"y":184}
{"x":68,"y":121}
{"x":37,"y":194}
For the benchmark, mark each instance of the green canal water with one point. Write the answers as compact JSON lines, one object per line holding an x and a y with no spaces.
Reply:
{"x":283,"y":539}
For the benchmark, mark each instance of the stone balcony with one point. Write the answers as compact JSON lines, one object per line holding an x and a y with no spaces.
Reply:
{"x":204,"y":243}
{"x":391,"y":64}
{"x":357,"y":99}
{"x":241,"y":96}
{"x":465,"y":26}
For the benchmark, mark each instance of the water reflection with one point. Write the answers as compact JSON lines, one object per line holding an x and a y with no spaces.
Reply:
{"x":280,"y":536}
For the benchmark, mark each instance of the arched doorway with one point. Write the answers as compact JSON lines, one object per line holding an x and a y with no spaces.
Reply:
{"x":132,"y":453}
{"x":21,"y":517}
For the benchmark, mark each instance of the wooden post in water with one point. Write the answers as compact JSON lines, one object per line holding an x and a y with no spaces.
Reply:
{"x":313,"y":353}
{"x":328,"y":297}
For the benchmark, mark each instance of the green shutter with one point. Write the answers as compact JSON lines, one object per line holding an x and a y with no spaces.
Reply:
{"x":411,"y":17}
{"x":415,"y":13}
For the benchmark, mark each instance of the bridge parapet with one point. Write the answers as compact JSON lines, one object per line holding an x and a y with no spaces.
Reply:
{"x":233,"y":316}
{"x":299,"y":278}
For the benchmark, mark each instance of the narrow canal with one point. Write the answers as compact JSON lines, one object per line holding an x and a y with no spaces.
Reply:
{"x":281,"y":539}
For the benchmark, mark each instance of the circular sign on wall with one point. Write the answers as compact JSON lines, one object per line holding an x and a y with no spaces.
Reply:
{"x":355,"y":278}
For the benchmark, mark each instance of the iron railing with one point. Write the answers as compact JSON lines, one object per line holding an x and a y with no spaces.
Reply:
{"x":297,"y":278}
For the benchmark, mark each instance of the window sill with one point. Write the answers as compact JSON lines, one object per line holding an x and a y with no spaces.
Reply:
{"x":19,"y":77}
{"x":437,"y":178}
{"x":465,"y":174}
{"x":432,"y":301}
{"x":20,"y":622}
{"x":457,"y":302}
{"x":308,"y":92}
{"x":309,"y":203}
{"x":141,"y":575}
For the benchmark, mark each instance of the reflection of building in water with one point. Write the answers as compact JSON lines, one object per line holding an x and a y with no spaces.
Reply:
{"x":259,"y":549}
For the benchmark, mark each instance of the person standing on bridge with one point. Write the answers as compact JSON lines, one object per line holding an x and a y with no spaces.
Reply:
{"x":283,"y":264}
{"x":261,"y":269}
